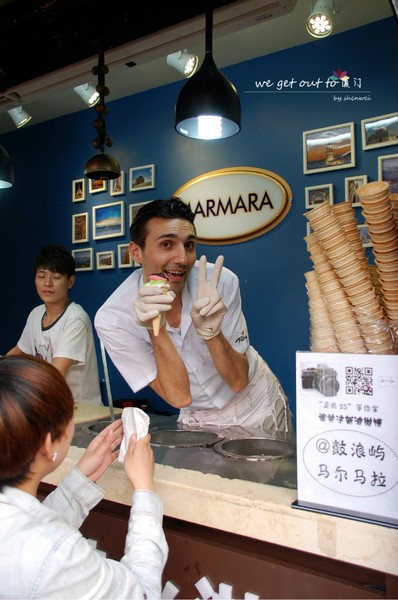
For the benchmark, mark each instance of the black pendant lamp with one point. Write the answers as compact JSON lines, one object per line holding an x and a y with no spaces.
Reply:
{"x":6,"y":170}
{"x":102,"y":165}
{"x":208,"y":106}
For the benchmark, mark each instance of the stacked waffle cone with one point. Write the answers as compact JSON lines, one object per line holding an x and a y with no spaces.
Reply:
{"x":341,"y":269}
{"x":381,"y":218}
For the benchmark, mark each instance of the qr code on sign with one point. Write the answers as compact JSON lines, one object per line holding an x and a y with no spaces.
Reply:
{"x":359,"y":381}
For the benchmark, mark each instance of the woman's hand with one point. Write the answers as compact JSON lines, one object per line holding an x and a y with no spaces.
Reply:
{"x":101,"y":451}
{"x":139,"y":463}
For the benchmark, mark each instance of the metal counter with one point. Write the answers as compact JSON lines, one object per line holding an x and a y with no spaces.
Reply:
{"x":214,"y":457}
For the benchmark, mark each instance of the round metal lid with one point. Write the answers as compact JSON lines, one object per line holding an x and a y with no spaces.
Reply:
{"x":180,"y":438}
{"x":255,"y":448}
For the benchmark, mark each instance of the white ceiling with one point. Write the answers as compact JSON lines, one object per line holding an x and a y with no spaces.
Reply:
{"x":242,"y":30}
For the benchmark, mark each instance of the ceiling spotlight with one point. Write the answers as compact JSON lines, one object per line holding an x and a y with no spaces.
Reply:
{"x":6,"y":170}
{"x":208,"y":106}
{"x":185,"y":63}
{"x":88,"y":94}
{"x":19,"y":116}
{"x":320,"y":22}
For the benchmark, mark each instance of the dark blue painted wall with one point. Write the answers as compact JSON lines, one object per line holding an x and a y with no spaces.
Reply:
{"x":47,"y":157}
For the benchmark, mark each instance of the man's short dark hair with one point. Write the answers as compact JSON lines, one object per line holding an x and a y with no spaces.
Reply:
{"x":172,"y":208}
{"x":57,"y":259}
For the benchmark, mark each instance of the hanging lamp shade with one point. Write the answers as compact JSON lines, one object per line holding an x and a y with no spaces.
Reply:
{"x":6,"y":170}
{"x":208,"y":106}
{"x":102,"y":166}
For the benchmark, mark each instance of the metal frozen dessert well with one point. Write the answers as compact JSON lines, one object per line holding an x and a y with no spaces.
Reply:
{"x":180,"y":438}
{"x":255,"y":448}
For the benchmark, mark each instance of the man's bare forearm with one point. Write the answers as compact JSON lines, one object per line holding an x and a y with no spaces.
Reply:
{"x":232,"y":366}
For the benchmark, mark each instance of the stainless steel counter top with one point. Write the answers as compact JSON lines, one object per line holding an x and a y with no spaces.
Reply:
{"x":273,"y":470}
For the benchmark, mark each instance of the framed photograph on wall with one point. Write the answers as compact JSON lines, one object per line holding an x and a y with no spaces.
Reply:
{"x":388,"y":171}
{"x":96,"y":185}
{"x":105,"y":259}
{"x":117,"y":185}
{"x":318,"y":194}
{"x":83,"y":259}
{"x":364,"y":235}
{"x":329,"y":148}
{"x":78,"y":190}
{"x":378,"y":132}
{"x":142,"y":178}
{"x":123,"y":256}
{"x":108,"y":220}
{"x":351,"y":185}
{"x":133,"y":209}
{"x":80,"y":228}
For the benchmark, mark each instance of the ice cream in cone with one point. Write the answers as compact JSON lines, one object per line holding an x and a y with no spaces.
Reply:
{"x":161,"y":281}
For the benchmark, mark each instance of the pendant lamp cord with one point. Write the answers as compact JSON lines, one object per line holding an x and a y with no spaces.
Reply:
{"x":209,"y":30}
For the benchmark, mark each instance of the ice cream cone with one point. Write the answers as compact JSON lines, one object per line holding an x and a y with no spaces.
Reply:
{"x":156,"y":324}
{"x":159,"y":280}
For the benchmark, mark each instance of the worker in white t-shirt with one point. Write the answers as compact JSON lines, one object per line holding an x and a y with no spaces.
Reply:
{"x":60,"y":331}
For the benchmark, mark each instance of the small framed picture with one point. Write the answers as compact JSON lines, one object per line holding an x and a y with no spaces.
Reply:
{"x":78,"y":190}
{"x":318,"y":194}
{"x":80,"y":228}
{"x":388,"y":171}
{"x":309,"y":229}
{"x":83,"y":259}
{"x":329,"y":148}
{"x":364,"y":235}
{"x":108,"y":220}
{"x":378,"y":132}
{"x":106,"y":259}
{"x":133,"y":210}
{"x":96,"y":185}
{"x":142,"y":178}
{"x":117,"y":185}
{"x":352,"y":184}
{"x":124,"y":256}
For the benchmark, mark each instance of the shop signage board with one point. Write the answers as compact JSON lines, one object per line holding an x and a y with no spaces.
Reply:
{"x":236,"y":204}
{"x":347,"y":442}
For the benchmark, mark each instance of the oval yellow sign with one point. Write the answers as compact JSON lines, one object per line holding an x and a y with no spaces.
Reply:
{"x":236,"y":204}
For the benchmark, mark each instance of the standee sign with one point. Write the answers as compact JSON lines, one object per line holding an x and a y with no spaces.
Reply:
{"x":236,"y":204}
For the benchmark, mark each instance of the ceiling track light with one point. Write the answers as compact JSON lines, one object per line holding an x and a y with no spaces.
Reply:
{"x":6,"y":170}
{"x":183,"y":62}
{"x":19,"y":116}
{"x":208,"y":106}
{"x":320,"y":21}
{"x":88,"y":94}
{"x":102,"y":165}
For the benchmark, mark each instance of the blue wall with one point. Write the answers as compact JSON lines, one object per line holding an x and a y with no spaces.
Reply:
{"x":47,"y":157}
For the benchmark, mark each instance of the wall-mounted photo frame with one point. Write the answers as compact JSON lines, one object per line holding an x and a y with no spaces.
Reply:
{"x":388,"y":171}
{"x":124,"y":259}
{"x":318,"y":194}
{"x":97,"y":185}
{"x":108,"y":220}
{"x":142,"y":178}
{"x":351,"y":185}
{"x":378,"y":132}
{"x":116,"y":186}
{"x":80,"y":228}
{"x":329,"y":148}
{"x":78,"y":190}
{"x":309,"y":229}
{"x":133,"y":210}
{"x":83,"y":259}
{"x":105,"y":259}
{"x":364,"y":235}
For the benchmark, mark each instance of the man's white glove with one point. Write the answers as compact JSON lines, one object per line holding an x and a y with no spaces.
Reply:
{"x":208,"y":310}
{"x":150,"y":302}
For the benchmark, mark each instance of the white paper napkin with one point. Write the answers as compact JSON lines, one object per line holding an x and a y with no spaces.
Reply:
{"x":135,"y":421}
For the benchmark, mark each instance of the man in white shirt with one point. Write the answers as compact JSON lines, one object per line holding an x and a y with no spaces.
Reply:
{"x":60,"y":331}
{"x":201,"y":362}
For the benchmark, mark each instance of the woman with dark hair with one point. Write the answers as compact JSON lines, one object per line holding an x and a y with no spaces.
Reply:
{"x":42,"y":552}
